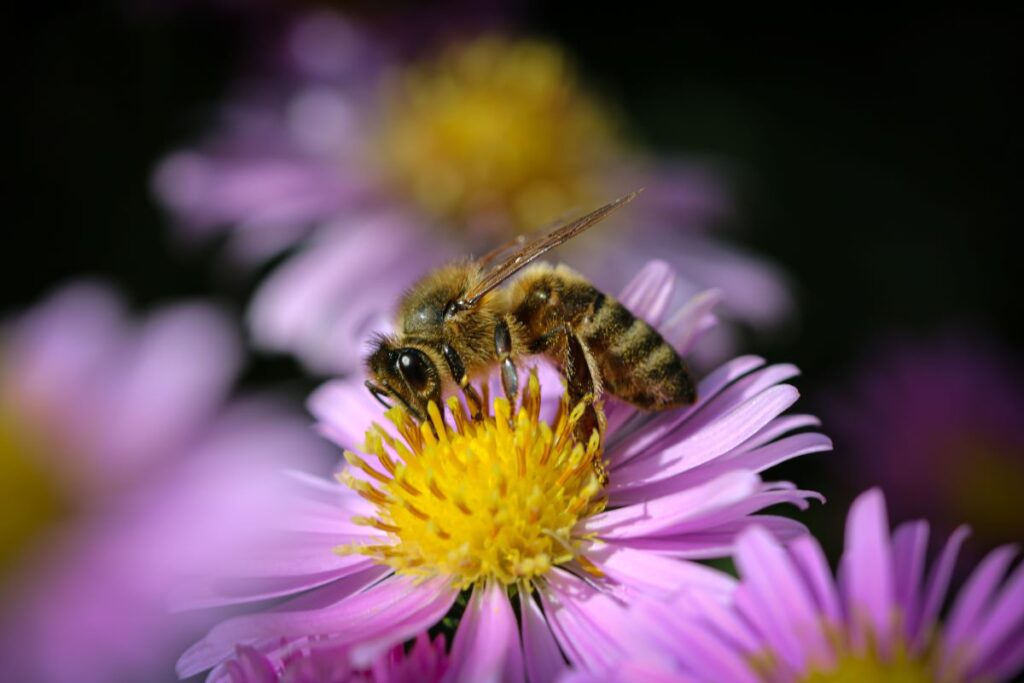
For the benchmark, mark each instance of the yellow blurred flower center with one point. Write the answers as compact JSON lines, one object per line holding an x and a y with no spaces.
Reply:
{"x":858,"y":669}
{"x":495,"y":133}
{"x":30,"y":500}
{"x":493,"y":499}
{"x":858,"y":664}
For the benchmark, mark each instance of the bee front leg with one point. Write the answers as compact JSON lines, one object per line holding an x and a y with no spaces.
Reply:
{"x":583,"y":386}
{"x":458,"y":370}
{"x":503,"y":351}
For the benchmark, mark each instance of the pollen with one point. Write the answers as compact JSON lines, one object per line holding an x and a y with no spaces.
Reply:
{"x":494,"y":133}
{"x":498,"y":498}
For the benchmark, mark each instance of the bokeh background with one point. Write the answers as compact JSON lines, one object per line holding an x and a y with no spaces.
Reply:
{"x":874,"y":154}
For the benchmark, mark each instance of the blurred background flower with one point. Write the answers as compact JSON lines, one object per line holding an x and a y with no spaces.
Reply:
{"x":123,"y":466}
{"x":938,"y":423}
{"x":402,"y":160}
{"x":790,"y":621}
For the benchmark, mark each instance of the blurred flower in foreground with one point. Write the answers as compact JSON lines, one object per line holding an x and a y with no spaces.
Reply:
{"x":940,"y":427}
{"x":121,"y":464}
{"x":401,"y":165}
{"x":426,"y":662}
{"x":513,"y":512}
{"x":791,"y":621}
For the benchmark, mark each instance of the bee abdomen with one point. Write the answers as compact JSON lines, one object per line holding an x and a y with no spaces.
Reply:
{"x":636,"y":363}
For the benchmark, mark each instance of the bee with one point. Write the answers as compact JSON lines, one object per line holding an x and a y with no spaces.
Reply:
{"x":459,"y":322}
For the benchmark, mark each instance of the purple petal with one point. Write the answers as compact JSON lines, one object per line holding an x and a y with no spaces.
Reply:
{"x":346,"y":411}
{"x":868,"y":570}
{"x":703,"y":444}
{"x":487,"y":646}
{"x":579,"y":616}
{"x":649,"y":292}
{"x":626,"y":443}
{"x":650,"y":574}
{"x":1003,"y":628}
{"x":249,"y":666}
{"x":393,"y":610}
{"x":686,"y":326}
{"x":775,"y":591}
{"x":544,"y":661}
{"x":909,"y":547}
{"x":809,"y":559}
{"x":236,"y":590}
{"x":756,"y":460}
{"x":653,"y":516}
{"x":779,"y":427}
{"x":936,"y":587}
{"x":976,"y":597}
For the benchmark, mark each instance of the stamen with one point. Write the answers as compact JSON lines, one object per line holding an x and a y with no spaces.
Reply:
{"x":476,"y":500}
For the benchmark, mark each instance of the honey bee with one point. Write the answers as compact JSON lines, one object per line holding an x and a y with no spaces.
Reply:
{"x":457,"y":323}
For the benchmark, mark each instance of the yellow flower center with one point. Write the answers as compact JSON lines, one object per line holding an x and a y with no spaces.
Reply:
{"x":492,"y":499}
{"x":859,"y":664}
{"x":496,"y":133}
{"x":30,"y":500}
{"x":900,"y":668}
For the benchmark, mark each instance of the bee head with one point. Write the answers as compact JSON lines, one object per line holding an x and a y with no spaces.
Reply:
{"x":403,"y":374}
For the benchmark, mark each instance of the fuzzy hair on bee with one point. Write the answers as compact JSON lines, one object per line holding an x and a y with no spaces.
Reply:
{"x":461,"y":320}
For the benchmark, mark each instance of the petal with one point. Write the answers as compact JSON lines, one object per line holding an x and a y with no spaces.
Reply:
{"x":648,"y":573}
{"x":649,"y":292}
{"x":757,"y":460}
{"x":579,"y":616}
{"x":1004,"y":624}
{"x":975,"y":599}
{"x":221,"y":591}
{"x":652,"y":516}
{"x":867,"y":570}
{"x":544,"y":661}
{"x":346,"y":408}
{"x":249,"y":666}
{"x":779,"y":427}
{"x":625,"y":443}
{"x":684,"y":328}
{"x":909,"y":547}
{"x":936,"y":587}
{"x":698,"y":446}
{"x":390,"y":611}
{"x":809,"y":559}
{"x":775,"y":590}
{"x":486,"y":646}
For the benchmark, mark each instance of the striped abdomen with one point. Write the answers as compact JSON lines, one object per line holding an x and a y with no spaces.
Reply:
{"x":636,"y":363}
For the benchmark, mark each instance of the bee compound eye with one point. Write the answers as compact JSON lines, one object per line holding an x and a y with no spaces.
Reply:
{"x":415,"y":368}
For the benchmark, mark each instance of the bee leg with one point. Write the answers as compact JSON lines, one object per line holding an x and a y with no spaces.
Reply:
{"x":503,"y":350}
{"x":458,"y":370}
{"x":581,"y":385}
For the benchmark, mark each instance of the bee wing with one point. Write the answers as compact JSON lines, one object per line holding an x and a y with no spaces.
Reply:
{"x":530,"y":251}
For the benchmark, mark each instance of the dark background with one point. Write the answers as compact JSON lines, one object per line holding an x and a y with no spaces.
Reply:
{"x":877,"y":154}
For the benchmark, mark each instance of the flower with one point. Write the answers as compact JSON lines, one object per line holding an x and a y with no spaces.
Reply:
{"x":789,"y":620}
{"x":397,"y":165}
{"x":122,"y":463}
{"x":426,"y":662}
{"x":513,"y":510}
{"x":937,"y":424}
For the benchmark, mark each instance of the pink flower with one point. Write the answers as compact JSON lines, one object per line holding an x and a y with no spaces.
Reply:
{"x":789,"y":620}
{"x":426,"y":662}
{"x":489,"y":507}
{"x":377,"y":168}
{"x":123,"y":464}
